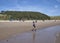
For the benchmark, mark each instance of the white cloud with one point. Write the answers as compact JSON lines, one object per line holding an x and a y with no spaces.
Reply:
{"x":56,"y":6}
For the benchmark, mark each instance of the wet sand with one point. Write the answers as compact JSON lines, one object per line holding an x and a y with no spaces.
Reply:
{"x":46,"y":35}
{"x":57,"y":38}
{"x":9,"y":28}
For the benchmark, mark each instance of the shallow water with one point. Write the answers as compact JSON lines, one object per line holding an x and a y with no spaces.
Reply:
{"x":47,"y":35}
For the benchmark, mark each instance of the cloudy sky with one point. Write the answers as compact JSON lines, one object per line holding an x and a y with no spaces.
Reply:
{"x":49,"y":7}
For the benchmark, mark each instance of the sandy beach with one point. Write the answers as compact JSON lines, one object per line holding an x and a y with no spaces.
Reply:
{"x":8,"y":28}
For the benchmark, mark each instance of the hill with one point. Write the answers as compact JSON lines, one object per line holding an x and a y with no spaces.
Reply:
{"x":26,"y":15}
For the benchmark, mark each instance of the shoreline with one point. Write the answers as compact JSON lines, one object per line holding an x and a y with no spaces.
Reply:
{"x":7,"y":29}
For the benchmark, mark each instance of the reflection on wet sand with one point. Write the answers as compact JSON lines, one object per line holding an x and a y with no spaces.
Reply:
{"x":58,"y":38}
{"x":34,"y":35}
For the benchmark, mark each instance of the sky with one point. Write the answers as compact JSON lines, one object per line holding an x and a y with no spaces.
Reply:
{"x":49,"y":7}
